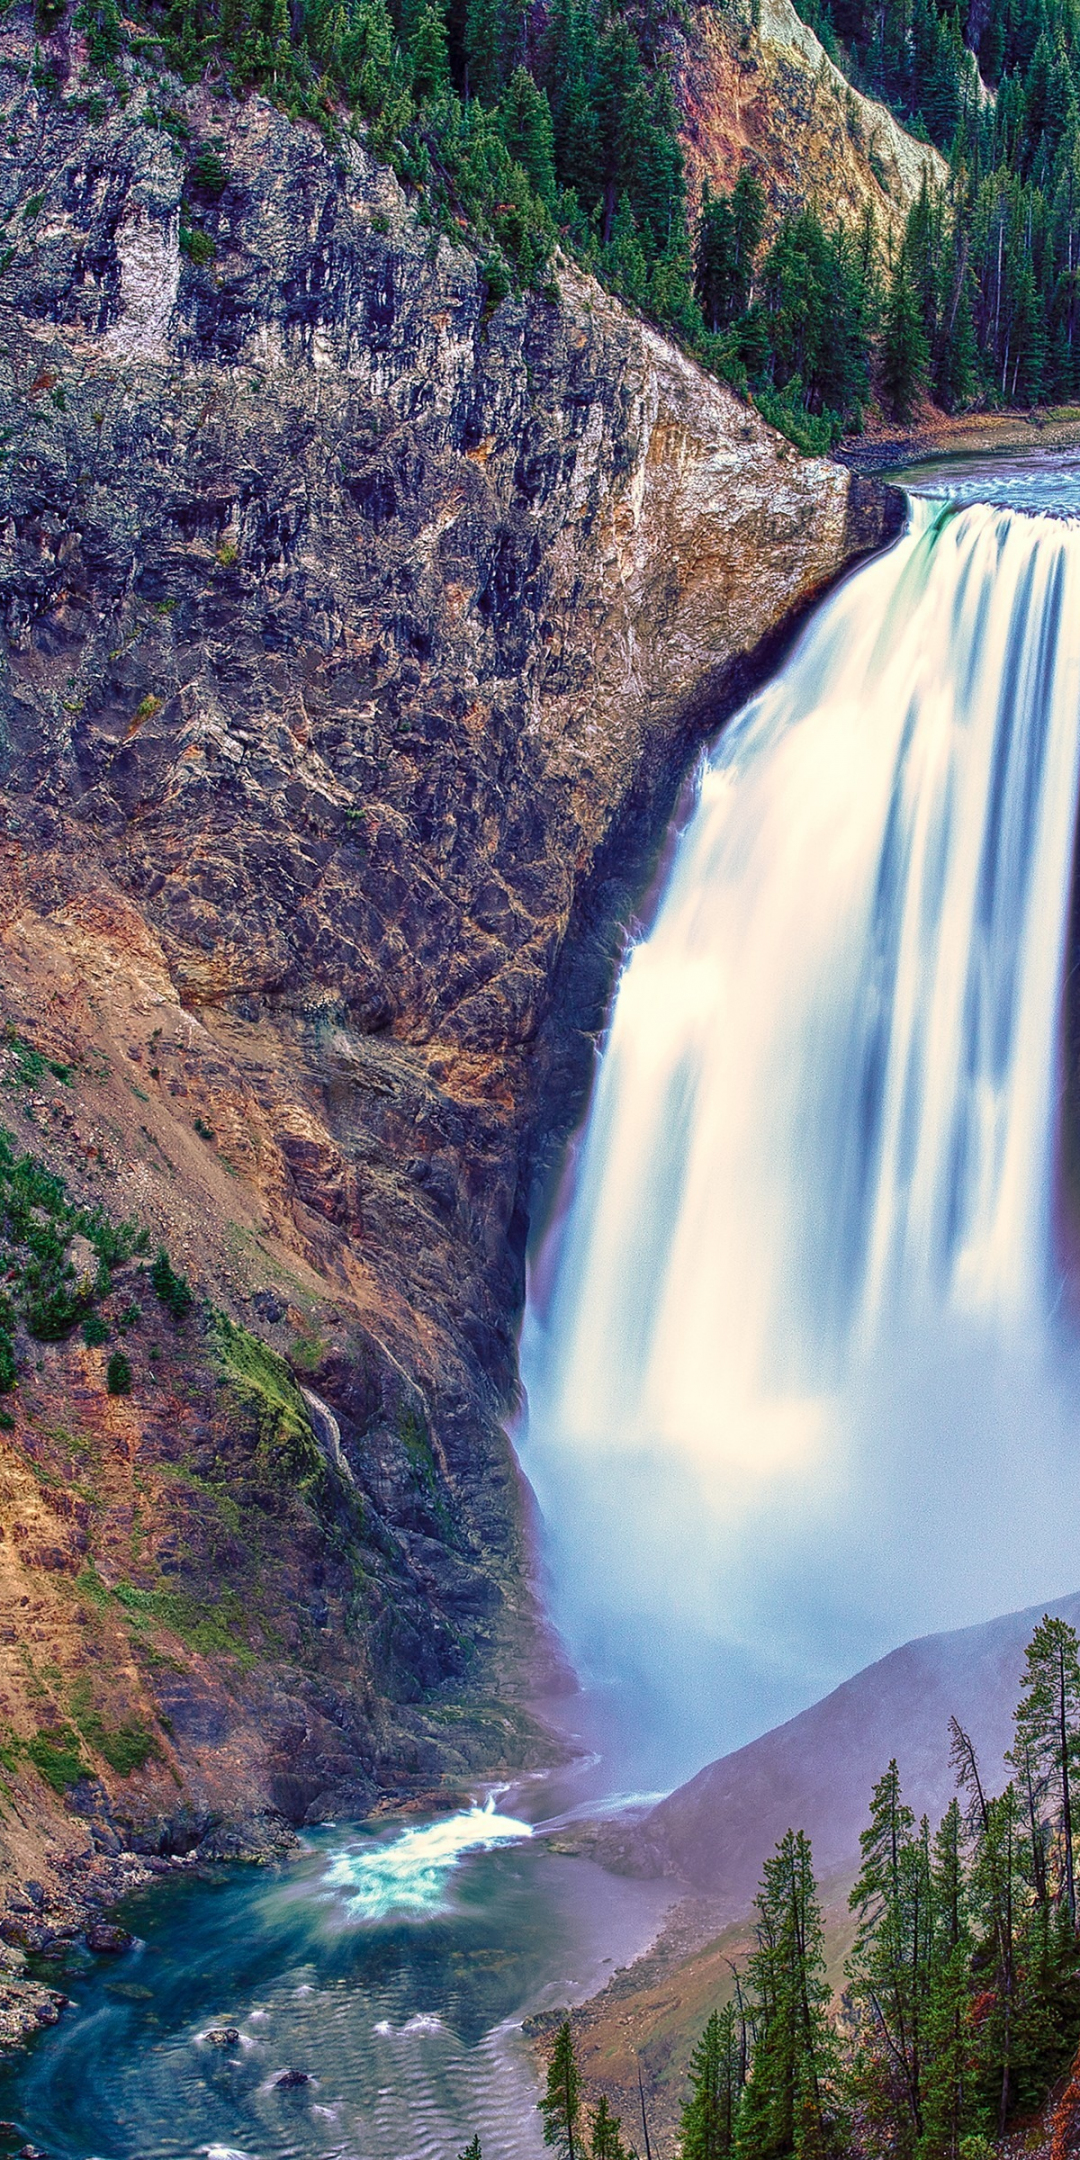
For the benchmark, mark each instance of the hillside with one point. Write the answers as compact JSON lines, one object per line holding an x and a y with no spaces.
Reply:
{"x":755,"y":84}
{"x":815,"y":1772}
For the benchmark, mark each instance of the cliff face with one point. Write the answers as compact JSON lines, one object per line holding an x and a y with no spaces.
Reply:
{"x":356,"y":638}
{"x":756,"y":86}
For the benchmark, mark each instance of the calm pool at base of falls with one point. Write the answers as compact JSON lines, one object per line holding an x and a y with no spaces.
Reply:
{"x":394,"y":1967}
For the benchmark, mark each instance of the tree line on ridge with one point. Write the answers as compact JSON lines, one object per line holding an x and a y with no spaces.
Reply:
{"x":537,"y":123}
{"x":961,"y":1997}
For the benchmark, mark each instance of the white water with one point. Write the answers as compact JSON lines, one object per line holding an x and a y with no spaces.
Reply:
{"x":409,"y":1874}
{"x":795,"y":1393}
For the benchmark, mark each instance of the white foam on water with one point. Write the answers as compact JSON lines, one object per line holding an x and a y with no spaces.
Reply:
{"x":410,"y":1874}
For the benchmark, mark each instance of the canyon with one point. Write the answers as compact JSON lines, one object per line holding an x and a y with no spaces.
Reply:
{"x":358,"y":636}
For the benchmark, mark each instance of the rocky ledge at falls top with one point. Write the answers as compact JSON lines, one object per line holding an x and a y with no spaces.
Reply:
{"x":356,"y":639}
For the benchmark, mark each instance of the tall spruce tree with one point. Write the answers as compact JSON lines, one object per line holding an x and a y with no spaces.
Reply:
{"x":889,"y":1969}
{"x":561,"y":2104}
{"x":525,"y":123}
{"x":1046,"y":1746}
{"x":948,"y":2097}
{"x":710,"y":2116}
{"x":905,"y":351}
{"x":790,"y":2104}
{"x":605,"y":2137}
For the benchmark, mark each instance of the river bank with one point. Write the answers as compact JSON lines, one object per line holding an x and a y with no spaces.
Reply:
{"x":885,"y":447}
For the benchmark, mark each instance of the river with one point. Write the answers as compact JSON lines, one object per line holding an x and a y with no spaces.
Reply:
{"x":392,"y":1966}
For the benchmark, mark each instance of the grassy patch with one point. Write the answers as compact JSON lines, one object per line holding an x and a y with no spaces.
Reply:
{"x":56,"y":1756}
{"x":126,"y":1747}
{"x":229,"y":1509}
{"x":262,"y":1388}
{"x":29,"y":1066}
{"x":216,"y":1630}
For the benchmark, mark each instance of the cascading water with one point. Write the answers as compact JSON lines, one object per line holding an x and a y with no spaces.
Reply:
{"x":795,"y":1392}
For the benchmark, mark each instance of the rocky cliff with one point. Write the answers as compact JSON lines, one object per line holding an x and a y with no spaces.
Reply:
{"x":755,"y":86}
{"x":357,"y":634}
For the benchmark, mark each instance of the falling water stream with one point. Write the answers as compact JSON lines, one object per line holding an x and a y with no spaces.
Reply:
{"x":798,"y":1382}
{"x":796,"y":1392}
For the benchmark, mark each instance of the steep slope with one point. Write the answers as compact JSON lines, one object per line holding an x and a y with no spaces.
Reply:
{"x":754,"y":85}
{"x":815,"y":1773}
{"x":358,"y":633}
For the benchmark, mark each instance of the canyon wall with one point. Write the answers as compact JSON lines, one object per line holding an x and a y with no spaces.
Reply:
{"x":755,"y":86}
{"x":357,"y":635}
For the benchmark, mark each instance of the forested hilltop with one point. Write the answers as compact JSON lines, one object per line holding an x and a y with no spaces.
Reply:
{"x":538,"y":123}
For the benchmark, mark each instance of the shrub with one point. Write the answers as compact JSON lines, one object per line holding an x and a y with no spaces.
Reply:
{"x":175,"y":1293}
{"x":118,"y":1374}
{"x":208,"y":174}
{"x":196,"y":245}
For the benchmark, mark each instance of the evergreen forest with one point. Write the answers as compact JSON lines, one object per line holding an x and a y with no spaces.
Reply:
{"x":537,"y":124}
{"x":960,"y":1999}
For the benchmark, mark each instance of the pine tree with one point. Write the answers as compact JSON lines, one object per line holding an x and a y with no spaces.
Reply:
{"x":994,"y":1886}
{"x":728,"y":237}
{"x":1047,"y":1737}
{"x":889,"y":1968}
{"x":569,"y":70}
{"x":789,"y":2105}
{"x":525,"y":122}
{"x":606,"y":2142}
{"x":429,"y":52}
{"x":483,"y":26}
{"x":561,"y":2104}
{"x":710,"y":2115}
{"x":714,"y":256}
{"x":472,"y":2150}
{"x":905,"y":353}
{"x":947,"y":2094}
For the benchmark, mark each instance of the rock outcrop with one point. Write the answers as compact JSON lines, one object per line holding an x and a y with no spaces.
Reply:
{"x":357,"y":636}
{"x":756,"y":86}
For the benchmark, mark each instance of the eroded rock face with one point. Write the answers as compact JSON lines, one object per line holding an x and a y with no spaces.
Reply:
{"x":357,"y":638}
{"x":755,"y":85}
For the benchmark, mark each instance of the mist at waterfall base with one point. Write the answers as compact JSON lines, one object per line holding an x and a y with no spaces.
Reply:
{"x":797,"y":1384}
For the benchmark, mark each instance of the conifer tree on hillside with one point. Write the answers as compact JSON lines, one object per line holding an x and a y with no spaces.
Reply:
{"x":561,"y":2104}
{"x":525,"y":122}
{"x":710,"y":2116}
{"x":947,"y":2087}
{"x":890,"y":1967}
{"x":905,"y":355}
{"x":605,"y":2138}
{"x":429,"y":52}
{"x":1046,"y":1749}
{"x":790,"y":2105}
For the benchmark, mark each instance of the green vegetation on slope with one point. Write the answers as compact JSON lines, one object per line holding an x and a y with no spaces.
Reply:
{"x":528,"y":127}
{"x":994,"y":261}
{"x":961,"y":2004}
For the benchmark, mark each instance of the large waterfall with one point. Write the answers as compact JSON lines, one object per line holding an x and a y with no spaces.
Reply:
{"x":795,"y":1386}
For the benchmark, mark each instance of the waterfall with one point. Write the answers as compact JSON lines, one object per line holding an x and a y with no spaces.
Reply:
{"x":796,"y":1390}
